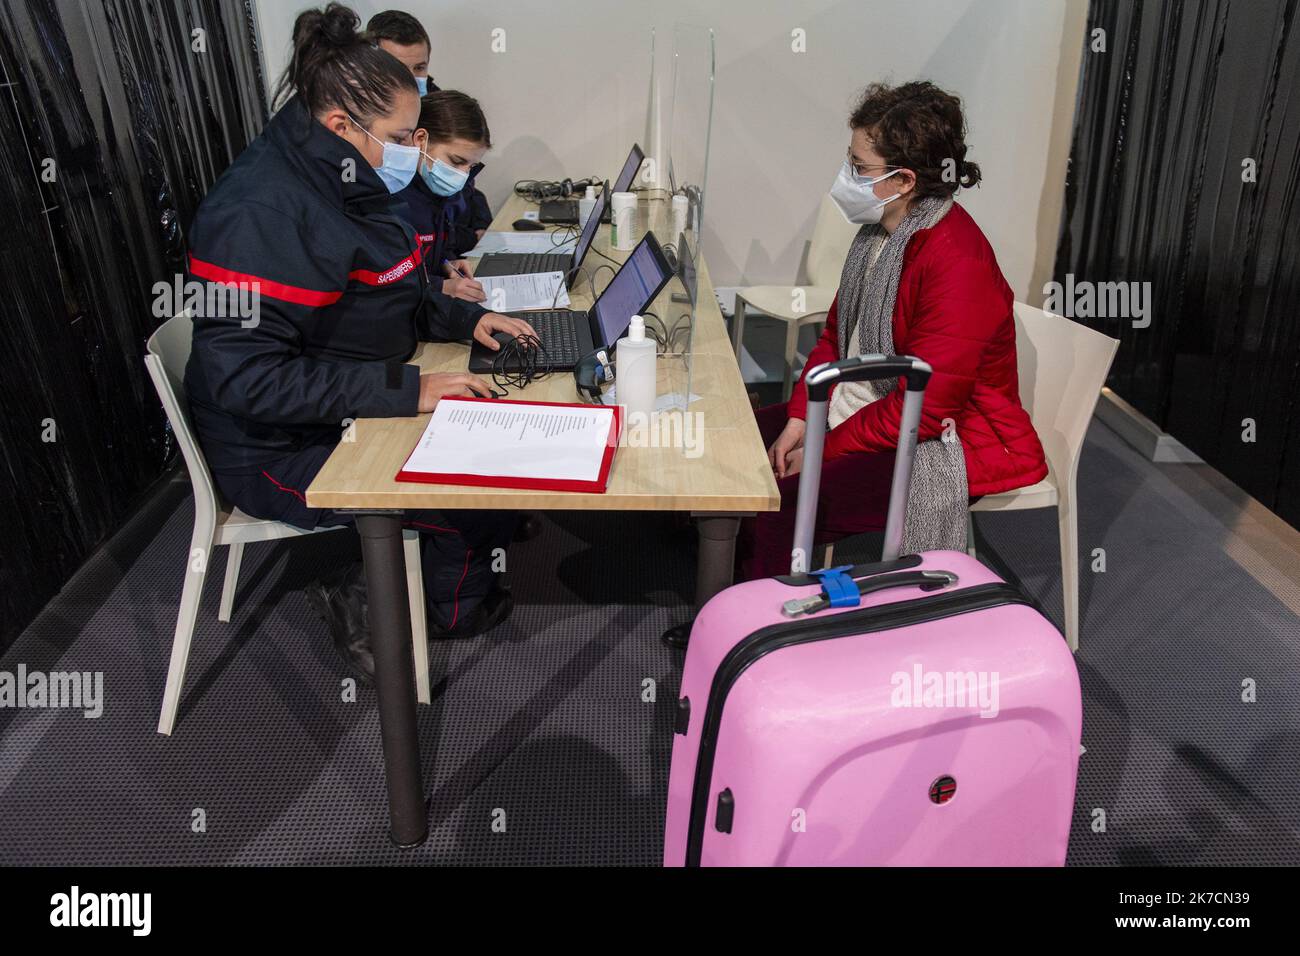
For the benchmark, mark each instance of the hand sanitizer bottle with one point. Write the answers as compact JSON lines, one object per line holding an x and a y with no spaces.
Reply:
{"x":634,"y":359}
{"x":586,"y":206}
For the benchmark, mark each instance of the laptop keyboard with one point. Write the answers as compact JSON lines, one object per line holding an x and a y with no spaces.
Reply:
{"x":538,"y":262}
{"x":558,"y":333}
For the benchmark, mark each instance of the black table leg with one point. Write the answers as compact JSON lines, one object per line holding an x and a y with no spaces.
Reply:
{"x":390,"y":638}
{"x":714,"y":571}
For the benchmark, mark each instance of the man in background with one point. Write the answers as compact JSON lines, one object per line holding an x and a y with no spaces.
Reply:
{"x":399,"y":33}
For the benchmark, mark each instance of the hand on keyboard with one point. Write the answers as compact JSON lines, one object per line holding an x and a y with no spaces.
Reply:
{"x":495,"y":322}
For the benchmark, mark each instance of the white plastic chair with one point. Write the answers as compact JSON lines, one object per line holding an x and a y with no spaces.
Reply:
{"x":1062,"y":367}
{"x":217,"y":524}
{"x":831,"y":239}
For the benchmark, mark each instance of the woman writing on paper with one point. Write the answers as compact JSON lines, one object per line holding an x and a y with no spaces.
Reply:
{"x":452,"y":137}
{"x":920,"y":279}
{"x":306,"y":217}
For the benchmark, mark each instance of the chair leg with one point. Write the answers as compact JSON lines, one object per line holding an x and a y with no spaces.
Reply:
{"x":970,"y":534}
{"x":738,"y":326}
{"x":196,"y":571}
{"x":419,"y":621}
{"x":234,"y":557}
{"x":1068,"y":520}
{"x":791,"y":346}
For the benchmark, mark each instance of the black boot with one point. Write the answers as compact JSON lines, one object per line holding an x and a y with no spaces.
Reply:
{"x":340,"y":600}
{"x":491,"y":611}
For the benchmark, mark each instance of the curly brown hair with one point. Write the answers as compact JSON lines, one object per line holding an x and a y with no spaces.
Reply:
{"x":918,"y":126}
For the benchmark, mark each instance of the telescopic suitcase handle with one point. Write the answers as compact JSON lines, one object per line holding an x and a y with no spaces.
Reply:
{"x":859,"y":368}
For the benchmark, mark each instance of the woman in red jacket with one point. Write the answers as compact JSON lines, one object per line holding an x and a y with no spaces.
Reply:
{"x":920,"y":279}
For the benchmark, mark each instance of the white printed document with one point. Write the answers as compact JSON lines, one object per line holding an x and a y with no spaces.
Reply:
{"x":501,"y":241}
{"x":535,"y":290}
{"x":510,"y":444}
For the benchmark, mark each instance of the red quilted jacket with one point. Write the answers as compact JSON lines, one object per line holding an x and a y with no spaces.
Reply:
{"x":953,"y":311}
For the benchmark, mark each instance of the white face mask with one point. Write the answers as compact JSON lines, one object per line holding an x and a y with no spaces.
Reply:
{"x":854,"y":195}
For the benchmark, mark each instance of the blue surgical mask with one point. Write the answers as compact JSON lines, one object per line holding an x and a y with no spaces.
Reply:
{"x":423,"y":83}
{"x":399,"y":165}
{"x":444,"y":180}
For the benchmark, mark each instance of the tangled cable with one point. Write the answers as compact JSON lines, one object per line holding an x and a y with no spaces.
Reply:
{"x":519,"y":362}
{"x":539,"y":190}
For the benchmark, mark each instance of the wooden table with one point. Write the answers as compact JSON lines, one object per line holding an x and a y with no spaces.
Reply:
{"x":723,"y":477}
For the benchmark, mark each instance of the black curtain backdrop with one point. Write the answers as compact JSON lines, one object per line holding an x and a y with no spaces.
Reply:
{"x":1185,"y":94}
{"x":115,"y":118}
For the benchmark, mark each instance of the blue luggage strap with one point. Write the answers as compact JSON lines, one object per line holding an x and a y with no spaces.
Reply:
{"x":838,"y":586}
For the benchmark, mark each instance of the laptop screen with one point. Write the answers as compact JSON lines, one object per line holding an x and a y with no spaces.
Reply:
{"x":686,"y":267}
{"x":589,"y":229}
{"x":633,"y":163}
{"x":638,"y":281}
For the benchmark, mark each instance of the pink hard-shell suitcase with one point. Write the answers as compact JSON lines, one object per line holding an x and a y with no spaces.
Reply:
{"x":913,"y":712}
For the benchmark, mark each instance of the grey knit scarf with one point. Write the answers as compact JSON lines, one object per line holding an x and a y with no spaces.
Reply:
{"x":939,"y":497}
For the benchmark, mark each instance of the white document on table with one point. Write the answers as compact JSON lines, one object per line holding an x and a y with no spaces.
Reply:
{"x":534,"y":290}
{"x":523,"y":242}
{"x":515,"y":444}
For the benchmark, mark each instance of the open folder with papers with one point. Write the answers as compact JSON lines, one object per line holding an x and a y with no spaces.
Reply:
{"x":547,"y":446}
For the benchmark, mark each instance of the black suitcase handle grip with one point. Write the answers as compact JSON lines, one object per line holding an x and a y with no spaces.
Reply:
{"x":925,"y":580}
{"x":819,"y":381}
{"x":865,"y":368}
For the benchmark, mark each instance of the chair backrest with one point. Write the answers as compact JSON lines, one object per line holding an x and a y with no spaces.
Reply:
{"x":829,"y":247}
{"x":1062,"y":366}
{"x":168,"y":351}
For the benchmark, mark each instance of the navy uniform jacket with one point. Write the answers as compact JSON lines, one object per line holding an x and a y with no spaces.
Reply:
{"x":344,"y":298}
{"x":443,"y":224}
{"x":468,"y":210}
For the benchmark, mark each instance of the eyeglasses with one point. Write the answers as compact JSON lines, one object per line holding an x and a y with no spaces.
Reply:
{"x":861,"y":169}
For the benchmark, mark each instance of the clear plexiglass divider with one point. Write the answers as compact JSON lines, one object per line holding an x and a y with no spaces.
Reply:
{"x":677,"y":219}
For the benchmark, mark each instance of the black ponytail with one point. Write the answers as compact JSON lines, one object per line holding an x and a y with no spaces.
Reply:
{"x":335,"y":67}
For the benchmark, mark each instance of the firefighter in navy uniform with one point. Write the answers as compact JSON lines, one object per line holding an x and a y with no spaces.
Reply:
{"x":307,"y":216}
{"x":402,"y":35}
{"x":436,"y":198}
{"x":453,"y":137}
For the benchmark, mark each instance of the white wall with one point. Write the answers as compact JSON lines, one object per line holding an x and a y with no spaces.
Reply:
{"x":569,"y":95}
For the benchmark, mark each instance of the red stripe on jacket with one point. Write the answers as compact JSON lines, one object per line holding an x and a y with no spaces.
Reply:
{"x":402,"y":269}
{"x":296,"y":294}
{"x":266,"y":287}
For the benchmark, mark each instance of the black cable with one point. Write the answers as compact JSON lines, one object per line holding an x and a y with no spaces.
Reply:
{"x":678,"y":327}
{"x":603,"y":256}
{"x":527,"y":355}
{"x":540,"y":190}
{"x":655,"y":327}
{"x":566,"y":233}
{"x":595,"y":272}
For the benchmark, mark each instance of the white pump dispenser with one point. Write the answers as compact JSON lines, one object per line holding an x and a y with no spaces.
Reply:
{"x":635,"y":360}
{"x":586,"y":206}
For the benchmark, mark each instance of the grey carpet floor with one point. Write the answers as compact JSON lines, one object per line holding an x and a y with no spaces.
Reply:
{"x":559,"y":723}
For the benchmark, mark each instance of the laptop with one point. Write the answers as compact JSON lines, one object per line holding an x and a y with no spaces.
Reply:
{"x":686,"y":268}
{"x":564,"y":212}
{"x":526,"y":263}
{"x":568,"y":335}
